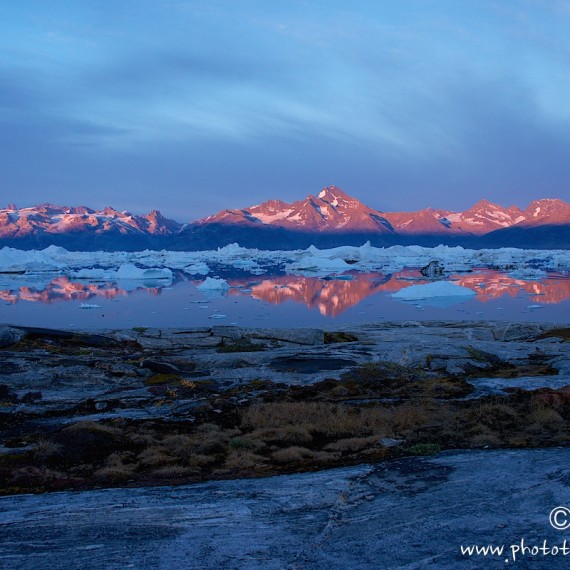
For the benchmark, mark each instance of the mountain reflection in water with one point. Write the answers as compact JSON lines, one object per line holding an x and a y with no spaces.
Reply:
{"x":63,"y":289}
{"x":330,"y":296}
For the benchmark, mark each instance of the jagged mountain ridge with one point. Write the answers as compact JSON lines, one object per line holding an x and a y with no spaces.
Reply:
{"x":332,"y":210}
{"x":50,"y":219}
{"x":328,"y":219}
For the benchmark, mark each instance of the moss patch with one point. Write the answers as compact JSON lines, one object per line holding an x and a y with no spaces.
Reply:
{"x":239,"y":345}
{"x":563,"y":333}
{"x":334,"y":337}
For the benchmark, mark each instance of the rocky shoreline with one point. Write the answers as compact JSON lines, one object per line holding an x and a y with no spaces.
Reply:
{"x":393,"y":444}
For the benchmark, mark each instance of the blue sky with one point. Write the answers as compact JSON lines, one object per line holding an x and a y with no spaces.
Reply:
{"x":194,"y":106}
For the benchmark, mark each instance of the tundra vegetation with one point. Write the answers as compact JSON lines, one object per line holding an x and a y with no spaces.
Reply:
{"x":372,"y":412}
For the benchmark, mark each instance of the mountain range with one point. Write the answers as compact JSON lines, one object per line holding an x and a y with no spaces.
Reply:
{"x":329,"y":219}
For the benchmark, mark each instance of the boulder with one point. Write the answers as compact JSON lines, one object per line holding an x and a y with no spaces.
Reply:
{"x":10,"y":336}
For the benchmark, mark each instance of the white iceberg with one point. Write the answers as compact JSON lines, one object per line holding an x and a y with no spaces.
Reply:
{"x":18,"y":261}
{"x":324,"y":261}
{"x":89,"y":306}
{"x":127,"y":271}
{"x":93,"y":274}
{"x":528,"y":274}
{"x":212,"y":284}
{"x":433,"y":290}
{"x":130,"y":271}
{"x":198,"y":268}
{"x":524,"y":263}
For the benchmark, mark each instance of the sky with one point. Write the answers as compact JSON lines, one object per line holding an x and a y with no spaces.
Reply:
{"x":193,"y":106}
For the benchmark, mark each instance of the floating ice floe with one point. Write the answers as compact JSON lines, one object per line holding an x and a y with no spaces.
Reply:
{"x":433,"y":290}
{"x":213,"y":284}
{"x":89,"y":306}
{"x":528,"y":273}
{"x":198,"y":268}
{"x":127,"y":271}
{"x":311,"y":261}
{"x":130,"y":271}
{"x":317,"y":261}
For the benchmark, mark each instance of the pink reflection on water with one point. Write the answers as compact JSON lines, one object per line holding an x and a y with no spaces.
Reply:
{"x":330,"y":297}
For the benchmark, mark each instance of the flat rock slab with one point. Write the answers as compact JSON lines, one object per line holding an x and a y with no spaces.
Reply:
{"x":411,"y":513}
{"x":487,"y":386}
{"x":309,"y":365}
{"x":303,"y":336}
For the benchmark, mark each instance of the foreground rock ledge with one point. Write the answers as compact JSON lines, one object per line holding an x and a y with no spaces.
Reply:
{"x":410,"y":513}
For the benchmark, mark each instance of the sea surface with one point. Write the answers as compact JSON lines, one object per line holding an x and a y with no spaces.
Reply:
{"x":278,"y":300}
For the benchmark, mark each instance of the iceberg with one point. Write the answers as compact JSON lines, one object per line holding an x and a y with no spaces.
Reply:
{"x":18,"y":261}
{"x":528,"y":274}
{"x":130,"y":271}
{"x":89,"y":306}
{"x":433,"y":290}
{"x":211,"y":284}
{"x":198,"y":268}
{"x":127,"y":271}
{"x":149,"y":264}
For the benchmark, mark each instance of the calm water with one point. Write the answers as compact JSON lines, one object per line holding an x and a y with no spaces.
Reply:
{"x":288,"y":301}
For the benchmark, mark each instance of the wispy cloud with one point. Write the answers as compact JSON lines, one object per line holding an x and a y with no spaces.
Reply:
{"x":430,"y":100}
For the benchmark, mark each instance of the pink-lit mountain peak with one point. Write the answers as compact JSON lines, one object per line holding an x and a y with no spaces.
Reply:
{"x":548,"y":210}
{"x":331,"y":210}
{"x":334,"y":196}
{"x":52,"y":219}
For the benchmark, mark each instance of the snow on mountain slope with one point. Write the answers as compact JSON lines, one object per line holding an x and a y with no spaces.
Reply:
{"x":50,"y":219}
{"x":332,"y":210}
{"x":546,"y":211}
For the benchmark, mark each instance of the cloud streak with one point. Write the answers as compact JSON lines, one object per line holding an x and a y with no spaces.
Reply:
{"x":221,"y":104}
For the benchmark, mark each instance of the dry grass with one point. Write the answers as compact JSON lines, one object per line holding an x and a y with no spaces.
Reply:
{"x":290,"y":429}
{"x":239,"y":459}
{"x":155,"y":456}
{"x":543,"y":418}
{"x":352,"y":444}
{"x":485,"y":439}
{"x":282,"y":434}
{"x":45,"y":448}
{"x":316,"y":417}
{"x":199,"y":460}
{"x":173,"y":472}
{"x":180,"y":445}
{"x":95,"y":427}
{"x":114,"y":474}
{"x":292,"y":454}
